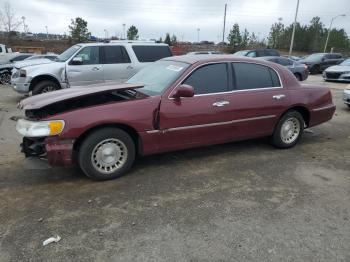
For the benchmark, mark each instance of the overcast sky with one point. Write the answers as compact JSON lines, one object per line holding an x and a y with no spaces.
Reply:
{"x":154,"y":18}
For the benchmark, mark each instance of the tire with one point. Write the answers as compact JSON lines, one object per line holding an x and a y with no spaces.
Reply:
{"x":348,"y":106}
{"x":286,"y":138}
{"x":298,"y":76}
{"x":5,"y":78}
{"x":95,"y":155}
{"x":315,"y":70}
{"x":44,"y":87}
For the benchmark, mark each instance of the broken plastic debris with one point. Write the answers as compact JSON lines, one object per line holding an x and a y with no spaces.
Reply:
{"x":51,"y":240}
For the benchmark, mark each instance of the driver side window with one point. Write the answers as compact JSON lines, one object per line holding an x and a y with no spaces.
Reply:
{"x":251,"y":54}
{"x":90,"y":55}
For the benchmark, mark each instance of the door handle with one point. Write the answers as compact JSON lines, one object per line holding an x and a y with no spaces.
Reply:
{"x":95,"y":68}
{"x":278,"y":97}
{"x":130,"y":67}
{"x":221,"y":103}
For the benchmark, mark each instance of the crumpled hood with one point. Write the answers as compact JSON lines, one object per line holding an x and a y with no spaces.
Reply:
{"x":338,"y":68}
{"x":32,"y":62}
{"x":42,"y":100}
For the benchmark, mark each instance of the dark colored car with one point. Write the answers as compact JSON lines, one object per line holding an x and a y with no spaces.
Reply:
{"x":320,"y":61}
{"x":300,"y":71}
{"x":7,"y":64}
{"x":175,"y":103}
{"x":258,"y":53}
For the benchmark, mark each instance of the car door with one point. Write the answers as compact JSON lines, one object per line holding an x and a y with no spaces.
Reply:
{"x":204,"y":118}
{"x":89,"y":69}
{"x":117,"y":65}
{"x":258,"y":99}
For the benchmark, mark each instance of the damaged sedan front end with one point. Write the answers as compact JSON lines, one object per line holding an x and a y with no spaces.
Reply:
{"x":41,"y":127}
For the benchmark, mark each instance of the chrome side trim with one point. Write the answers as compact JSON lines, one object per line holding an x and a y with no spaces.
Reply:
{"x":211,"y":124}
{"x":232,"y":91}
{"x":323,"y":108}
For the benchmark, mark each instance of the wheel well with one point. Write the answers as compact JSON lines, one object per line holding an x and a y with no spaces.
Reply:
{"x":297,"y":74}
{"x":131,"y":131}
{"x":304,"y":113}
{"x":40,"y":78}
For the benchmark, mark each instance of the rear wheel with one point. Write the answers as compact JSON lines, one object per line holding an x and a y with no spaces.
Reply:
{"x":315,"y":69}
{"x":288,"y":130}
{"x":5,"y":78}
{"x":44,"y":87}
{"x":298,"y":76}
{"x":106,"y":154}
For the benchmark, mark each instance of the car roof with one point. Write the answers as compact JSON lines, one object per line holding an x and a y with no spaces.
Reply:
{"x":193,"y":59}
{"x":122,"y":43}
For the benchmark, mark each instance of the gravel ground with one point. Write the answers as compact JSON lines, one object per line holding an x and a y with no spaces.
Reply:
{"x":242,"y":201}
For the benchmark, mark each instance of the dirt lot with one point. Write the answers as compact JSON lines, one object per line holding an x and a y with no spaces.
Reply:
{"x":242,"y":201}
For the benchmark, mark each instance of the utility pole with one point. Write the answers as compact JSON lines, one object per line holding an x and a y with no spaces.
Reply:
{"x":329,"y":31}
{"x":294,"y":25}
{"x":223,"y":31}
{"x":124,"y":31}
{"x":47,"y":32}
{"x":198,"y":29}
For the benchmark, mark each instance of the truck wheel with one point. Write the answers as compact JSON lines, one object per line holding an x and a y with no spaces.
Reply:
{"x":44,"y":87}
{"x":106,"y":154}
{"x":288,"y":130}
{"x":5,"y":78}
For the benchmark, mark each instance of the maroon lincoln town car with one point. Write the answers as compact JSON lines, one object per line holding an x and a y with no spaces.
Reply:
{"x":175,"y":103}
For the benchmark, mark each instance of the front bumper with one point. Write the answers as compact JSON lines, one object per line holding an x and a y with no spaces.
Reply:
{"x":346,"y":96}
{"x":57,"y":152}
{"x":21,"y":85}
{"x":336,"y":76}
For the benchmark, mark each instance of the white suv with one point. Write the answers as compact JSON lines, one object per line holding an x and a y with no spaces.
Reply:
{"x":86,"y":64}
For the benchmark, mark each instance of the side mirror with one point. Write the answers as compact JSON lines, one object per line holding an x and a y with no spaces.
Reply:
{"x":183,"y":91}
{"x":76,"y":61}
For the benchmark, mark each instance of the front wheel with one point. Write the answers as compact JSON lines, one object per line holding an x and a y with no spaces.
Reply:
{"x":44,"y":87}
{"x":5,"y":78}
{"x":288,"y":130}
{"x":106,"y":154}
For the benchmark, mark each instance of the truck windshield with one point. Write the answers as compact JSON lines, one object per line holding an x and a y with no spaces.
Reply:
{"x":158,"y":76}
{"x":314,"y":58}
{"x":68,"y":53}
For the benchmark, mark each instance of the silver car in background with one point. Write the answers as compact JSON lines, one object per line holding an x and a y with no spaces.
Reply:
{"x":300,"y":71}
{"x":339,"y":72}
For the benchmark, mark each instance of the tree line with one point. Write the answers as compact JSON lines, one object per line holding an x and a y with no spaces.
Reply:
{"x":308,"y":38}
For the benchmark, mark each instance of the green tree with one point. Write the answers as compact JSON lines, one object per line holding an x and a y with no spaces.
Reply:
{"x":133,"y":33}
{"x":245,"y":38}
{"x":276,"y":32}
{"x":173,"y":40}
{"x":160,"y":40}
{"x":78,"y":30}
{"x":167,"y":39}
{"x":234,"y":38}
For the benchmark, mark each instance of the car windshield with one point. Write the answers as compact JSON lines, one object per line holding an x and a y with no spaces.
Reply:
{"x":314,"y":57}
{"x":68,"y":53}
{"x":158,"y":76}
{"x":346,"y":62}
{"x":241,"y":53}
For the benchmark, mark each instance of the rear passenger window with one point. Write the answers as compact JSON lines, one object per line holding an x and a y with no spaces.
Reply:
{"x":254,"y":76}
{"x":285,"y":61}
{"x":209,"y":79}
{"x":151,"y":53}
{"x":115,"y":55}
{"x":271,"y":53}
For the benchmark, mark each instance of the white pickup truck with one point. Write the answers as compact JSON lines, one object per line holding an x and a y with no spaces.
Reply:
{"x":88,"y":63}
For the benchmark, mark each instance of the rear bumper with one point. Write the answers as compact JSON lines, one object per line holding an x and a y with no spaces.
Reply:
{"x":321,"y":114}
{"x":57,"y":152}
